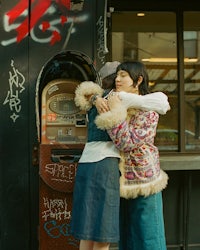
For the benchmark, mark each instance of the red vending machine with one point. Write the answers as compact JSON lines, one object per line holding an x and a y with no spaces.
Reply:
{"x":63,"y":133}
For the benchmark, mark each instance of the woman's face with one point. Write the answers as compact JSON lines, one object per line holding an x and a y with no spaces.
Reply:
{"x":124,"y":82}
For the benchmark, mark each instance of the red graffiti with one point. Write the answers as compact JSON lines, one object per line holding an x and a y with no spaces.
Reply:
{"x":55,"y":38}
{"x":45,"y":26}
{"x":38,"y":8}
{"x":65,"y":3}
{"x":17,"y":10}
{"x":63,"y":19}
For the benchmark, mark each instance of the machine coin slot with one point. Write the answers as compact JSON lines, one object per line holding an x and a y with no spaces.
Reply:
{"x":66,"y":155}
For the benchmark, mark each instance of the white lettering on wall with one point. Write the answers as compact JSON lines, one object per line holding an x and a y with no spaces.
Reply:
{"x":16,"y":87}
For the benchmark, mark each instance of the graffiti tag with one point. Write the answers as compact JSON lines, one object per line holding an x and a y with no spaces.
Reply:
{"x":16,"y":87}
{"x":55,"y":230}
{"x":56,"y":209}
{"x":61,"y":172}
{"x":38,"y":20}
{"x":101,"y":50}
{"x":56,"y":212}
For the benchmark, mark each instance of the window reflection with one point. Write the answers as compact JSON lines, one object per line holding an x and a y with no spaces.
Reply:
{"x":192,"y":80}
{"x":152,"y":39}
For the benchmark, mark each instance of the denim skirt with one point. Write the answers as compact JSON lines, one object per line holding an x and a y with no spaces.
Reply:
{"x":96,"y":198}
{"x":142,"y":223}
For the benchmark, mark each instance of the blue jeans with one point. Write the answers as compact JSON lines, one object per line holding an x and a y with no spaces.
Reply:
{"x":142,"y":223}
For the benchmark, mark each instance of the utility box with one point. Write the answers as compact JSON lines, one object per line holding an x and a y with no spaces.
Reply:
{"x":63,"y":134}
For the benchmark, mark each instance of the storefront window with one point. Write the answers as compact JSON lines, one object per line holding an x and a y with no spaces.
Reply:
{"x":151,"y":38}
{"x":192,"y":80}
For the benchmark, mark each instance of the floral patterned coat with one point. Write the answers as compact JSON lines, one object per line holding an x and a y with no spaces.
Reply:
{"x":133,"y":133}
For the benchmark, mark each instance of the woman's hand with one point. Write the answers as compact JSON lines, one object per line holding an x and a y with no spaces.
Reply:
{"x":101,"y":105}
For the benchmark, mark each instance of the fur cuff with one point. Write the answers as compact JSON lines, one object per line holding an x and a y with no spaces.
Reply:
{"x":83,"y":93}
{"x":111,"y":118}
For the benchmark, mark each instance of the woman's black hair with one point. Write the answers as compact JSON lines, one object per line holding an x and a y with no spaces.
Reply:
{"x":136,"y":69}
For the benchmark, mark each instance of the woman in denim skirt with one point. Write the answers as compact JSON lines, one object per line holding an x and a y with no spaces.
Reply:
{"x":95,"y":213}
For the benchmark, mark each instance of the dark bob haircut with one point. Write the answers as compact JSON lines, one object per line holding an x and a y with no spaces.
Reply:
{"x":136,"y":69}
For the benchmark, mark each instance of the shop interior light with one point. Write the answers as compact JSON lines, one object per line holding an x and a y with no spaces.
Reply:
{"x":168,"y":59}
{"x":140,"y":14}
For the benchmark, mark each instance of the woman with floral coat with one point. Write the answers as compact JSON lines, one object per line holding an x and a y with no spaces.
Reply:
{"x":142,"y":180}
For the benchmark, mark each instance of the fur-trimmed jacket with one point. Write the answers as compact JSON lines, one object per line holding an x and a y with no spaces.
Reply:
{"x":133,"y":133}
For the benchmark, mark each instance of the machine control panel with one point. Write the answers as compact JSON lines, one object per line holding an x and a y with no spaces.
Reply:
{"x":62,"y":121}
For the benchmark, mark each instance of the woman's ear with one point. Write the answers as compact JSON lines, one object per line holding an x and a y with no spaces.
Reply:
{"x":140,"y":79}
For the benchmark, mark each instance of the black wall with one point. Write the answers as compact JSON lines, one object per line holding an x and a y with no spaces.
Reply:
{"x":29,"y":36}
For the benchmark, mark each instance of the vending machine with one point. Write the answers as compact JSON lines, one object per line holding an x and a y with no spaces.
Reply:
{"x":62,"y":134}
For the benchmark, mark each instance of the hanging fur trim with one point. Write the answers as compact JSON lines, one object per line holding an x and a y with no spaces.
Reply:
{"x":141,"y":189}
{"x":83,"y":93}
